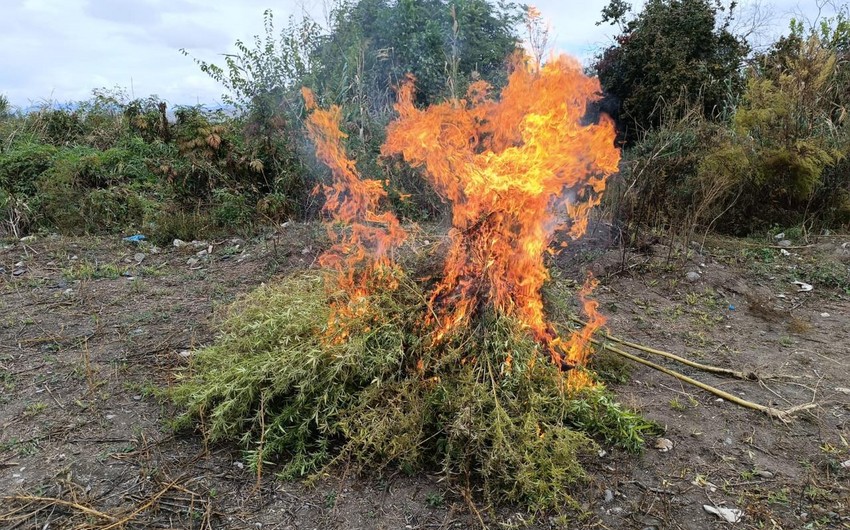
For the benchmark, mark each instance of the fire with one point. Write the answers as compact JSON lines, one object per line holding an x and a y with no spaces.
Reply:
{"x":515,"y":170}
{"x":361,"y":254}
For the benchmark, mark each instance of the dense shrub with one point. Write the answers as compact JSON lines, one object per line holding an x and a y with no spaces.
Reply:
{"x":672,"y":51}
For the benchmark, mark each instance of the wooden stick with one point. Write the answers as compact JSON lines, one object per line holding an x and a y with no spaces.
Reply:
{"x":750,"y":376}
{"x":782,"y":415}
{"x":50,"y":500}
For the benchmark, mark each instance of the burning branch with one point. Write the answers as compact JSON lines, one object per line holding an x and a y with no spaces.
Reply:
{"x":514,"y":170}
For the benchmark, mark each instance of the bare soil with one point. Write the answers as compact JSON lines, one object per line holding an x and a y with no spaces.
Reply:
{"x":92,"y":329}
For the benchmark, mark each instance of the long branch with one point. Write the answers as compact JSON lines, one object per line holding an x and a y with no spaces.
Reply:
{"x":782,"y":415}
{"x":748,"y":376}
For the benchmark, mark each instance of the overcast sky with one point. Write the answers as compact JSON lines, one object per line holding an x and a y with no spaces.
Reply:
{"x":60,"y":50}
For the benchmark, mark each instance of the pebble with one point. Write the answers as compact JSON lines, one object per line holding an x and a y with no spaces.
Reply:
{"x":139,"y":256}
{"x":192,"y":262}
{"x":178,"y":243}
{"x":764,"y":474}
{"x":609,"y":495}
{"x":784,"y":243}
{"x":692,"y":276}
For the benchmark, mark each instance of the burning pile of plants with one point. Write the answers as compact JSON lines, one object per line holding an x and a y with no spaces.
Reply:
{"x":463,"y":372}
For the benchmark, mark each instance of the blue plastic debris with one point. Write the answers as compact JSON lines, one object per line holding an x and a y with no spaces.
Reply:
{"x":731,"y":307}
{"x":135,"y":239}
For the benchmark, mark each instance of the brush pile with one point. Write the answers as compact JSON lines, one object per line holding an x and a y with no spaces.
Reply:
{"x":462,"y":373}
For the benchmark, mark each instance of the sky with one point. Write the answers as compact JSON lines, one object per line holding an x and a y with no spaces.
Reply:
{"x":60,"y":50}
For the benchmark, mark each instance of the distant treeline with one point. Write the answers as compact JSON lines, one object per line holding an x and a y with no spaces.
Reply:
{"x":715,"y":135}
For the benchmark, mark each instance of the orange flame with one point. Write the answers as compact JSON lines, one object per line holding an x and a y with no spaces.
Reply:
{"x":514,"y":170}
{"x":361,"y":254}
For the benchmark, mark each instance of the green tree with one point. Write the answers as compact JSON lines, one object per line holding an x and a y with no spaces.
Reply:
{"x":672,"y":50}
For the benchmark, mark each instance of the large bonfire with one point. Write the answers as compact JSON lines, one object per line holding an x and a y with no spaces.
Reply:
{"x":464,"y":373}
{"x":515,"y":170}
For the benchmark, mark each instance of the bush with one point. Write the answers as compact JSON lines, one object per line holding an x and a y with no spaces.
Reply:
{"x":21,"y":166}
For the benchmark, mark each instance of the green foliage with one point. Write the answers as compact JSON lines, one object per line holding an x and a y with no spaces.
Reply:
{"x":681,"y":176}
{"x":671,"y":51}
{"x":385,"y":396}
{"x":787,"y":111}
{"x":21,"y":166}
{"x":171,"y":222}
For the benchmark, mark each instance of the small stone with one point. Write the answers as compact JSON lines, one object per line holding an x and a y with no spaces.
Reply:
{"x":20,"y":264}
{"x":137,"y":398}
{"x":763,"y":474}
{"x":727,"y":441}
{"x":202,"y":253}
{"x":779,"y":236}
{"x":846,"y":464}
{"x":68,"y":292}
{"x":184,"y":353}
{"x":110,"y":416}
{"x":664,"y":444}
{"x":139,"y":257}
{"x":18,"y":272}
{"x":240,"y":465}
{"x":825,"y":315}
{"x":192,"y":262}
{"x":178,"y":243}
{"x":784,"y":243}
{"x":693,"y":276}
{"x":609,"y":495}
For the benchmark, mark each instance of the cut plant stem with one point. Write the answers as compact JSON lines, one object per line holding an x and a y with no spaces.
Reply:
{"x":748,"y":376}
{"x":782,"y":415}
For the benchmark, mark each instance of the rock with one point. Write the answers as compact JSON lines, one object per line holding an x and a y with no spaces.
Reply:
{"x":192,"y":262}
{"x":202,"y":253}
{"x":178,"y":243}
{"x":139,"y":257}
{"x":780,"y":236}
{"x":18,"y":272}
{"x":609,"y":495}
{"x":664,"y":444}
{"x":784,"y":243}
{"x":763,"y":474}
{"x":693,"y":276}
{"x":730,"y":515}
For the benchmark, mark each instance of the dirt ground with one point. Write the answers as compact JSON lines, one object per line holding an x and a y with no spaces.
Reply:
{"x":92,"y":328}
